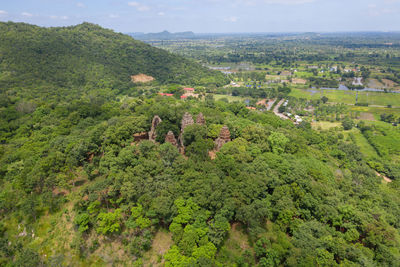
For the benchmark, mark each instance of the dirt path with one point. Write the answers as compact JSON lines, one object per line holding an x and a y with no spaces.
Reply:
{"x":388,"y":180}
{"x":268,"y":105}
{"x":276,"y":110}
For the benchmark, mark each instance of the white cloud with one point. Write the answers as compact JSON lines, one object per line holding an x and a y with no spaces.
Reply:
{"x":59,"y":17}
{"x":161,"y":13}
{"x":133,"y":4}
{"x":113,"y":16}
{"x":144,"y":8}
{"x":2,"y":12}
{"x":79,"y":4}
{"x":139,"y":6}
{"x":26,"y":14}
{"x":231,"y":19}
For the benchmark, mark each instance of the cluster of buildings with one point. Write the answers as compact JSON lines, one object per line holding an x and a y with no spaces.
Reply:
{"x":187,"y":92}
{"x":296,"y":118}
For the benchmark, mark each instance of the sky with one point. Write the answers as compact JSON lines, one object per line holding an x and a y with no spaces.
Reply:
{"x":210,"y":16}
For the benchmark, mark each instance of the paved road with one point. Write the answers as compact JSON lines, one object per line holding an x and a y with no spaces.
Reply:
{"x":276,"y":110}
{"x":270,"y":104}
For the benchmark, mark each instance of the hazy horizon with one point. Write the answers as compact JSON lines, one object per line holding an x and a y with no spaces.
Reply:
{"x":278,"y":32}
{"x":211,"y":16}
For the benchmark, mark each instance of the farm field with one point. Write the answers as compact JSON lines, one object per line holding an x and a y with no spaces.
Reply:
{"x":349,"y":97}
{"x":376,"y":111}
{"x":384,"y":138}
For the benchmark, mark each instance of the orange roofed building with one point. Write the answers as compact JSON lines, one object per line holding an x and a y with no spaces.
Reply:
{"x":165,"y":94}
{"x":189,"y":92}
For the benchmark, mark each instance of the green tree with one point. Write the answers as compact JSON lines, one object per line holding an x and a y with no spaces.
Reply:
{"x":348,"y":123}
{"x":278,"y":142}
{"x":82,"y":220}
{"x":194,"y":133}
{"x":109,"y":222}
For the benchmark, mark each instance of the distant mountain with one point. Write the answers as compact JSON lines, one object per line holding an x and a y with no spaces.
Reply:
{"x":165,"y":35}
{"x":88,"y":56}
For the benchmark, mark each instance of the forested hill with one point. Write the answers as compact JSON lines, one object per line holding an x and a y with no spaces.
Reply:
{"x":165,"y":35}
{"x":88,"y":55}
{"x":89,"y":180}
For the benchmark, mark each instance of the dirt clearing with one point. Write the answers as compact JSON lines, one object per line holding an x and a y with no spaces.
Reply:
{"x":389,"y":83}
{"x":367,"y":116}
{"x":142,"y":78}
{"x":298,"y":81}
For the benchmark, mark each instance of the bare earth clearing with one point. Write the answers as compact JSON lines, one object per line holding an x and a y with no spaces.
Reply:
{"x":367,"y":116}
{"x":141,"y":78}
{"x":389,"y":83}
{"x":298,"y":81}
{"x":374,"y":83}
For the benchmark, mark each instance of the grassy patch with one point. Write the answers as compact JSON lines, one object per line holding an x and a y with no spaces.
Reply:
{"x":229,"y":97}
{"x":235,"y":246}
{"x":161,"y":243}
{"x":325,"y":125}
{"x":365,"y":148}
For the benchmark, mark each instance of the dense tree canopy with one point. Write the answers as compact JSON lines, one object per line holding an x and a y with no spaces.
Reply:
{"x":302,"y":200}
{"x":87,"y":57}
{"x":77,"y":187}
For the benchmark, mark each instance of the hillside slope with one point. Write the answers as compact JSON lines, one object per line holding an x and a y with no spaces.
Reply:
{"x":88,"y":55}
{"x":82,"y":183}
